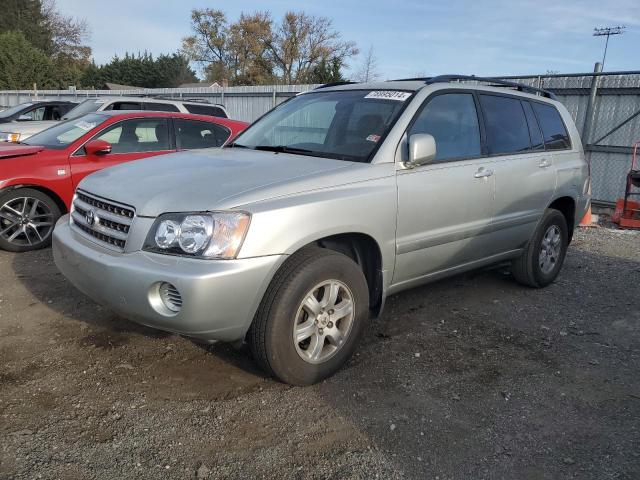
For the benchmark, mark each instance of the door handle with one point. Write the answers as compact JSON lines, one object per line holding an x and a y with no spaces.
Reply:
{"x":544,"y":163}
{"x":483,"y":173}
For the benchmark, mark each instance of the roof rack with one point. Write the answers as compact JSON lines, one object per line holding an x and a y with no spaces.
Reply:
{"x":334,"y":84}
{"x":495,"y":82}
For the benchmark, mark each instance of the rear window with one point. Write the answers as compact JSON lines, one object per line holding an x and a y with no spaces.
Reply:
{"x":160,"y":107}
{"x":506,"y":125}
{"x":553,"y":129}
{"x":210,"y":110}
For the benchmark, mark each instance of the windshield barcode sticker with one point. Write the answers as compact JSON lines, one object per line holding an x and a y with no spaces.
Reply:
{"x":388,"y":95}
{"x":86,"y":126}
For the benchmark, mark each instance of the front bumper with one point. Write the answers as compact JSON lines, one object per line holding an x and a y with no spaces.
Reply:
{"x":219,"y":297}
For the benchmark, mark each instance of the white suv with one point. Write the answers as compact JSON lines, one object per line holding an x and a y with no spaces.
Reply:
{"x":18,"y":132}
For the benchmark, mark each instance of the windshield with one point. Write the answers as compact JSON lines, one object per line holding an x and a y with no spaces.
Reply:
{"x":13,"y":110}
{"x":65,"y":133}
{"x":88,"y":106}
{"x":344,"y":124}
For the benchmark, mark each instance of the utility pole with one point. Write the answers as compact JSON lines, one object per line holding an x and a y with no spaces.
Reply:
{"x":607,"y":32}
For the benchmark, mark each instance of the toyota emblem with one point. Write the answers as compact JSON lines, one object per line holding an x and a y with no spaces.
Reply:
{"x":91,"y":218}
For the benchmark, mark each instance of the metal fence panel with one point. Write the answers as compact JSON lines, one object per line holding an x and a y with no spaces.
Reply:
{"x":608,"y":147}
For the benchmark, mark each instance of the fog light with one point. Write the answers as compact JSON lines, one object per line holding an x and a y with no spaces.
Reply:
{"x":170,"y":297}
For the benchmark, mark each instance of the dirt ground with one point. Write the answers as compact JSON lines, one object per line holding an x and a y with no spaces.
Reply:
{"x":473,"y":377}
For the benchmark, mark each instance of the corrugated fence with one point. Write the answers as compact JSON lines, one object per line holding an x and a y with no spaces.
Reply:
{"x":605,"y":107}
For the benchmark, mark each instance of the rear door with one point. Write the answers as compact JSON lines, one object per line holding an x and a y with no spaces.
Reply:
{"x":130,"y":139}
{"x":445,"y":207}
{"x":194,"y":134}
{"x":525,"y":178}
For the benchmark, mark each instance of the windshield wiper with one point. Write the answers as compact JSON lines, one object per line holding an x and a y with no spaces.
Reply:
{"x":236,"y":145}
{"x":282,"y":149}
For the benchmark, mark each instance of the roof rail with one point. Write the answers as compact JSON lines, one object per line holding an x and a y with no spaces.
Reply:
{"x":490,"y":80}
{"x":334,"y":84}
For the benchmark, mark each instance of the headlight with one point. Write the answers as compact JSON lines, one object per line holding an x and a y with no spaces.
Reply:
{"x":205,"y":235}
{"x":9,"y":137}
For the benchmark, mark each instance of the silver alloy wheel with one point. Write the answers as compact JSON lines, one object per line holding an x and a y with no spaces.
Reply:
{"x":550,"y":249}
{"x":323,"y":321}
{"x":25,"y":221}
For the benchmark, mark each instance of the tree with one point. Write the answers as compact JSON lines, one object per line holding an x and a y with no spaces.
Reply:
{"x":255,"y":50}
{"x":327,"y":72}
{"x":300,"y":42}
{"x":22,"y":65}
{"x":26,"y":17}
{"x":368,"y":71}
{"x":68,"y":35}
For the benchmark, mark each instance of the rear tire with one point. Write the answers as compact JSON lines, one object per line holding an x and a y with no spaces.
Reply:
{"x":542,"y":259}
{"x":311,"y":317}
{"x":27,"y":219}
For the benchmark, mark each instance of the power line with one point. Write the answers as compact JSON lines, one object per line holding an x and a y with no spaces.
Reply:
{"x":607,"y":32}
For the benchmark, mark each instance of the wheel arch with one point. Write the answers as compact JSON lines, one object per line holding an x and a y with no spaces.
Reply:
{"x":364,"y":250}
{"x":567,"y":206}
{"x":54,"y":196}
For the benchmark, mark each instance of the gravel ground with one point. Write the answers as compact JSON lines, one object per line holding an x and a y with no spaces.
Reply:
{"x":473,"y":377}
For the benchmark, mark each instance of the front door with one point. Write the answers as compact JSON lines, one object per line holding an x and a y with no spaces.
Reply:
{"x":445,"y":208}
{"x":131,"y":139}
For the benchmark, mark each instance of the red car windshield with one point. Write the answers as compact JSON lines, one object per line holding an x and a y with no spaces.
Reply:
{"x":64,"y":134}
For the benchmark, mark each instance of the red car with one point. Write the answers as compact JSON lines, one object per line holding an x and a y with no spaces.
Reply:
{"x":38,"y":177}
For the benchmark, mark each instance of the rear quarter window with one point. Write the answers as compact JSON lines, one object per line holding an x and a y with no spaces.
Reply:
{"x":553,"y":128}
{"x":210,"y":110}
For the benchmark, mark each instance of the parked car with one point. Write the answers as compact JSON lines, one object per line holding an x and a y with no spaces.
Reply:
{"x":295,"y":233}
{"x":51,"y":110}
{"x":38,"y":177}
{"x":20,"y":132}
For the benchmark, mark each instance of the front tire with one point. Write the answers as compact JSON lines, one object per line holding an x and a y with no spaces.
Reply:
{"x":27,"y":219}
{"x":311,"y":317}
{"x":542,"y":259}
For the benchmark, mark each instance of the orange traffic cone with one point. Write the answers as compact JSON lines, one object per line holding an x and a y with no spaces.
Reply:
{"x":589,"y":220}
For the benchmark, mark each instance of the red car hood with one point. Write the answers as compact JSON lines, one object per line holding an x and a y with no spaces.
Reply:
{"x":8,"y":150}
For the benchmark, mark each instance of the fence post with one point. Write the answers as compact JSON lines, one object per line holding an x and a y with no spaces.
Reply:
{"x":590,"y":114}
{"x":273,"y":101}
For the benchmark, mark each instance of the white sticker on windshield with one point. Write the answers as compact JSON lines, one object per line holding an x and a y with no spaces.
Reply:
{"x":100,"y":102}
{"x":86,"y":126}
{"x":388,"y":95}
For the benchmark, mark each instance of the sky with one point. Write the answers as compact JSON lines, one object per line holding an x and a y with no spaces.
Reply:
{"x":409,"y":38}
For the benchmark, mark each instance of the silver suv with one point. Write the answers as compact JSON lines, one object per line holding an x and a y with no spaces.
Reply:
{"x":18,"y":132}
{"x":292,"y":237}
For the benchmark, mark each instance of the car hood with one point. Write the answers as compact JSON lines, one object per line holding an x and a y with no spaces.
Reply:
{"x":11,"y":150}
{"x":26,"y":129}
{"x":211,"y":179}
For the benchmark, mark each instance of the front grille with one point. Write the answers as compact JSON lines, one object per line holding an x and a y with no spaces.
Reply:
{"x":103,"y":220}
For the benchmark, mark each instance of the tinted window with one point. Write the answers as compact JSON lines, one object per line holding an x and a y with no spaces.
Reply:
{"x":209,"y":110}
{"x":505,"y":124}
{"x":453,"y":121}
{"x":192,"y":134}
{"x":555,"y":133}
{"x":124,"y":106}
{"x":137,"y":135}
{"x":160,"y":107}
{"x":535,"y":134}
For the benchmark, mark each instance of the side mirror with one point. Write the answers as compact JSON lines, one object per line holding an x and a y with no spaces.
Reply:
{"x":422,"y":150}
{"x":24,"y":118}
{"x":97,"y":147}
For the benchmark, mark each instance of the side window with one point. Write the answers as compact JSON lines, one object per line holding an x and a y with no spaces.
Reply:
{"x":453,"y":121}
{"x":537,"y":142}
{"x":553,"y":129}
{"x":124,"y":106}
{"x":209,"y":110}
{"x":137,"y":135}
{"x":191,"y":134}
{"x":505,"y":124}
{"x":36,"y":114}
{"x":160,"y":107}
